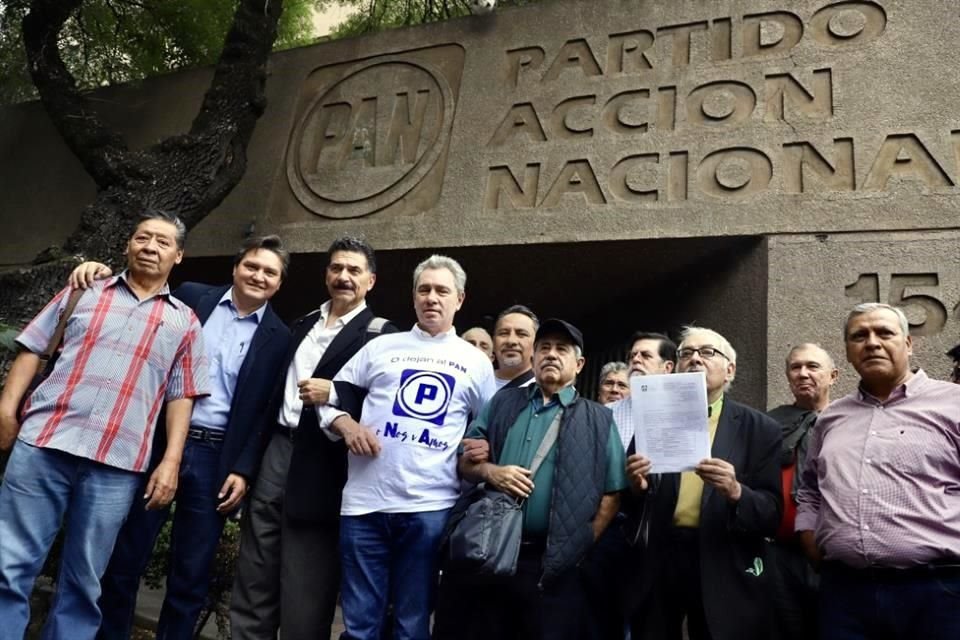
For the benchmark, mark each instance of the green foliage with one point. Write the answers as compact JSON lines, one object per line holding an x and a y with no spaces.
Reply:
{"x":8,"y":337}
{"x":155,"y":575}
{"x":113,"y":41}
{"x":376,"y":15}
{"x":221,"y":577}
{"x":221,"y":580}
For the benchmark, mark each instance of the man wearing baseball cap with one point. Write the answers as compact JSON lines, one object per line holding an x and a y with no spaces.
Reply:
{"x":567,"y":503}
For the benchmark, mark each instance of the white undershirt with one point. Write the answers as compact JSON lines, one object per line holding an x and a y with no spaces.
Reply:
{"x":308,"y":355}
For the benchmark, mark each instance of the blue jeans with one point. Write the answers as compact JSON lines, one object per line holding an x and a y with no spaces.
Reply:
{"x":39,"y":487}
{"x":193,"y":544}
{"x":865,"y":605}
{"x":389,"y":557}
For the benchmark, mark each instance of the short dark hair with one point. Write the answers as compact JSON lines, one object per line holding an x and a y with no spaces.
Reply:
{"x":667,"y":348}
{"x":166,"y":216}
{"x":522,"y":310}
{"x":270,"y":243}
{"x":356,"y":244}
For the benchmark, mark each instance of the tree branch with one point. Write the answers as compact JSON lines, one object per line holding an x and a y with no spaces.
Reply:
{"x":236,"y":98}
{"x":99,"y":149}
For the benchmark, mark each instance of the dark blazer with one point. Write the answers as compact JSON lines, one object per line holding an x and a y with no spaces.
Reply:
{"x":731,"y":537}
{"x":318,"y":465}
{"x":258,"y":373}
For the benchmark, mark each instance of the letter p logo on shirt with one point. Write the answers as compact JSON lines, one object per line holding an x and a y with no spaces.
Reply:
{"x":424,"y":395}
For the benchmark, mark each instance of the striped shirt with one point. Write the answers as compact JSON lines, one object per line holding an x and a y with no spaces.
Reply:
{"x":881,"y":485}
{"x":623,"y":418}
{"x":121,"y":359}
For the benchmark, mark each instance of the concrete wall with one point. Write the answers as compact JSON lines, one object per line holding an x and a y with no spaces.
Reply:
{"x":815,"y":280}
{"x":569,"y":121}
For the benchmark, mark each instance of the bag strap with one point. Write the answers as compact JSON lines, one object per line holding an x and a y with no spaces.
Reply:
{"x":376,"y":325}
{"x":57,"y":336}
{"x":549,"y":438}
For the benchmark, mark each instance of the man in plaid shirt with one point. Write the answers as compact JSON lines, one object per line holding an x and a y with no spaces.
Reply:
{"x":86,"y":431}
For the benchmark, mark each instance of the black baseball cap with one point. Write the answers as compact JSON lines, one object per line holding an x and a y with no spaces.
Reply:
{"x":555,"y":325}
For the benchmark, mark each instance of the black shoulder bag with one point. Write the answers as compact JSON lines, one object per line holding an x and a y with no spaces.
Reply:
{"x":485,"y":540}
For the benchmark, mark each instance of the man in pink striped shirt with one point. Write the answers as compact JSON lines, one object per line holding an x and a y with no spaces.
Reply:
{"x":879,"y":504}
{"x":83,"y":441}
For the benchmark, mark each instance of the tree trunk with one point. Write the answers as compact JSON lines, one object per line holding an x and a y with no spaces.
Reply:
{"x":188,"y":175}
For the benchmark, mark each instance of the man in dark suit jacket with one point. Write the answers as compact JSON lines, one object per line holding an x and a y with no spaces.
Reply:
{"x":245,"y":342}
{"x":701,"y":533}
{"x":288,"y":572}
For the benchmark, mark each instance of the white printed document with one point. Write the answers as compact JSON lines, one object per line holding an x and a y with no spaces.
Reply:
{"x":670,"y":419}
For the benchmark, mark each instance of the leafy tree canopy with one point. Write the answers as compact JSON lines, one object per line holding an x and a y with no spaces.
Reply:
{"x":375,"y":15}
{"x":114,"y":41}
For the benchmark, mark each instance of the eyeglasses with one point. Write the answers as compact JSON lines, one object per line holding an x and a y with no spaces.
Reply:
{"x":705,"y":352}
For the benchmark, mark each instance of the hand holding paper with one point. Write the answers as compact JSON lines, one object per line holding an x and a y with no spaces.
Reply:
{"x":670,"y":414}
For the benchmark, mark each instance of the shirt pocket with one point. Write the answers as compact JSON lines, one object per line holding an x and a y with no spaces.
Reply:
{"x":914,"y":448}
{"x":161,"y":350}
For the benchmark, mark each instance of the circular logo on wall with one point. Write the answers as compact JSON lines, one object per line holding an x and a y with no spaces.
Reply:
{"x":370,"y":137}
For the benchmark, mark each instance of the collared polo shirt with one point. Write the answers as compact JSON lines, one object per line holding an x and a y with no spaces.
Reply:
{"x":521,"y":444}
{"x":227,"y":336}
{"x":121,"y":359}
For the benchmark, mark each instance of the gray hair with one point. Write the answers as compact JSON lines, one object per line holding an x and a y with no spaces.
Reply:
{"x":612,"y":367}
{"x":809,"y":345}
{"x":437,"y":261}
{"x":156,"y":214}
{"x":870,"y":307}
{"x":718,"y":341}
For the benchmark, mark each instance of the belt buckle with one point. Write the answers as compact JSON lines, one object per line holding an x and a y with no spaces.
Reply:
{"x":202,"y":434}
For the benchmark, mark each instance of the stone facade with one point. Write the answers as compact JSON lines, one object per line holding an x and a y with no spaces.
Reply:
{"x":811,"y":145}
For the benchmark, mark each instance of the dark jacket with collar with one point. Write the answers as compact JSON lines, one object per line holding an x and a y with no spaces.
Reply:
{"x":318,"y":466}
{"x":579,"y":477}
{"x":732,"y":538}
{"x":240,"y":450}
{"x":519,"y":381}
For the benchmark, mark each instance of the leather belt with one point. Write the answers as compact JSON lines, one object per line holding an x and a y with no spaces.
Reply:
{"x":945,"y":568}
{"x":205,"y":435}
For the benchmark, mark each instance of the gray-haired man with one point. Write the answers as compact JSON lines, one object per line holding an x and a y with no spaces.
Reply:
{"x":413,"y":394}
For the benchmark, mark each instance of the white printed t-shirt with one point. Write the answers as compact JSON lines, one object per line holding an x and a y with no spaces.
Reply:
{"x":422,"y":390}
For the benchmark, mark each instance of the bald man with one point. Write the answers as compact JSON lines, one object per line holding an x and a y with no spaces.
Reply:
{"x":810,"y":373}
{"x":480,"y":338}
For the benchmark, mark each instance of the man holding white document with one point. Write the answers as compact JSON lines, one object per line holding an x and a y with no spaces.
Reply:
{"x":701,"y":529}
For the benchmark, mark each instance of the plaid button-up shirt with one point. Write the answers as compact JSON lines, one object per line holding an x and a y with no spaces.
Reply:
{"x":121,"y":359}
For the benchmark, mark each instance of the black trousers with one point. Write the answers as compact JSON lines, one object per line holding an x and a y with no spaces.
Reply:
{"x":604,"y":575}
{"x":677,"y":594}
{"x":514,"y":609}
{"x":794,"y":589}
